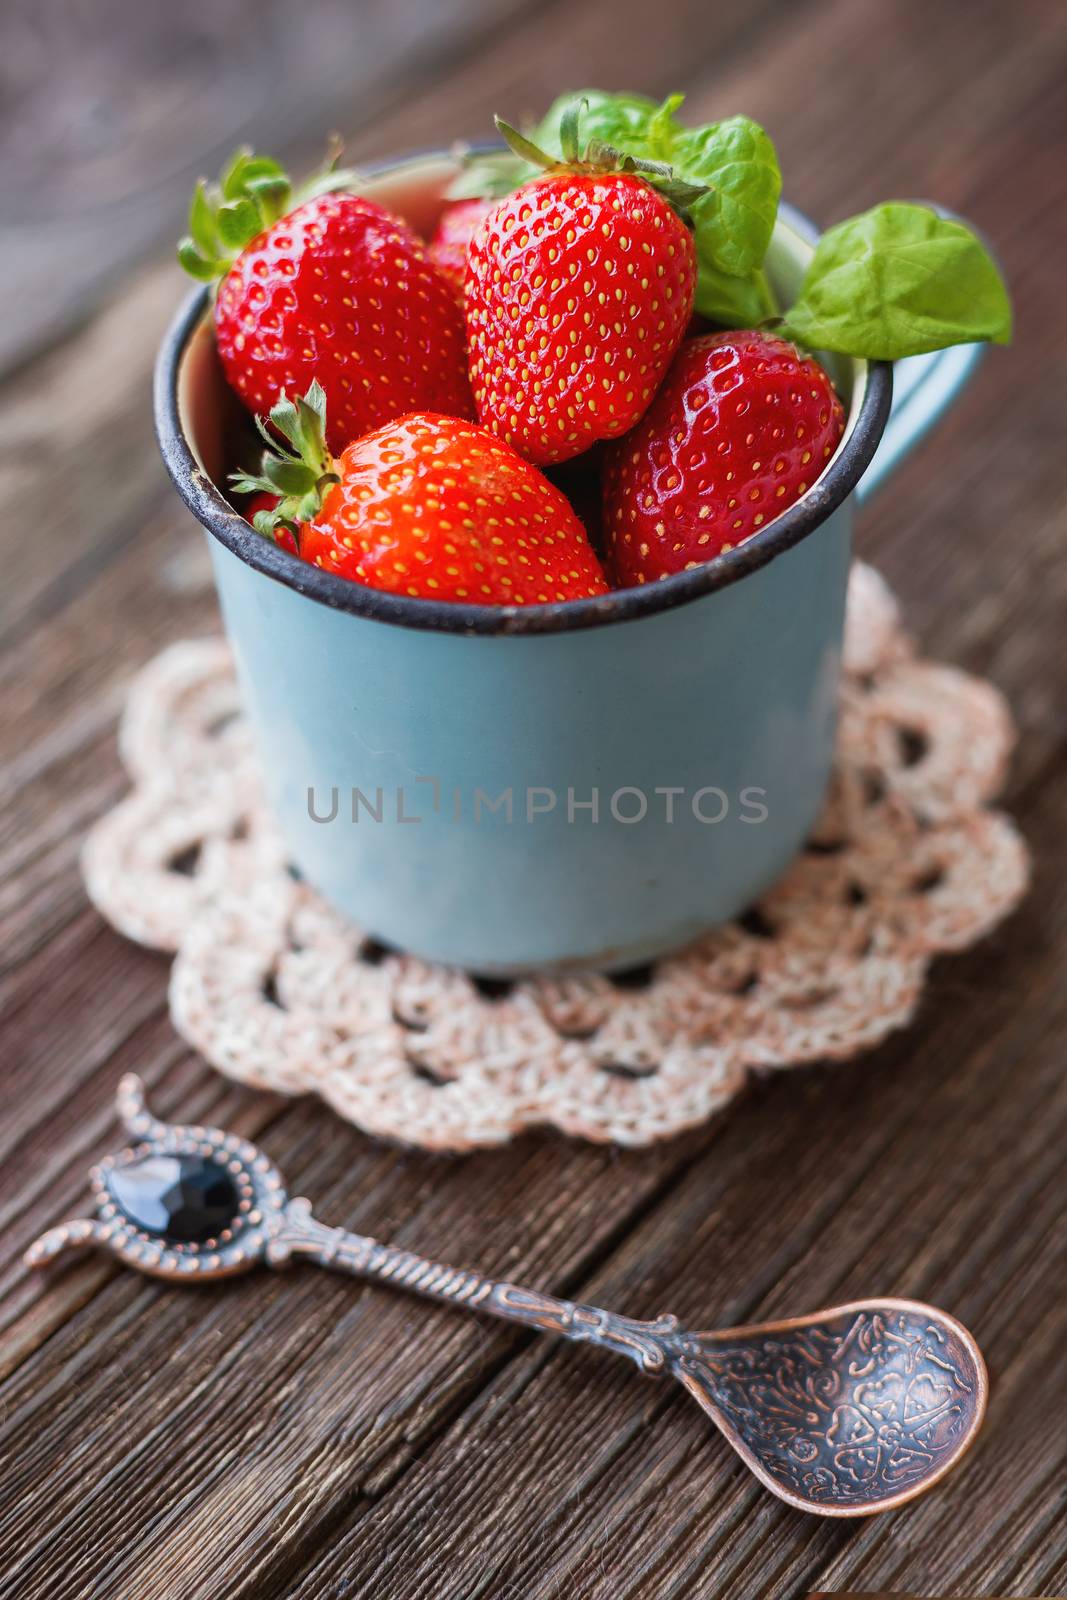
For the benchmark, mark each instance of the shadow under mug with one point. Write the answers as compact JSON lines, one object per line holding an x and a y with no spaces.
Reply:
{"x":557,"y":786}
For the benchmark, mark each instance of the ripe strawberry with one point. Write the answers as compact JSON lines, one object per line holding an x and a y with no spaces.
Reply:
{"x":578,"y":290}
{"x":428,"y":506}
{"x":742,"y":427}
{"x":262,"y":500}
{"x":448,"y":247}
{"x":336,"y":290}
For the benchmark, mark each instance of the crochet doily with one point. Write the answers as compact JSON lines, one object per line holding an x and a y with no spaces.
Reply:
{"x":275,"y":988}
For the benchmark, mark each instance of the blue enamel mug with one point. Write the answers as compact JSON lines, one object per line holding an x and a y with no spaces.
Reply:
{"x":555,"y":786}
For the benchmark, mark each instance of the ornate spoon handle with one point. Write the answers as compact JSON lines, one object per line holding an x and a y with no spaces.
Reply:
{"x":195,"y":1201}
{"x":298,"y":1233}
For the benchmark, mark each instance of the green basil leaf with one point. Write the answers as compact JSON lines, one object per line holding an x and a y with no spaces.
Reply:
{"x":899,"y":280}
{"x":489,"y":175}
{"x":733,"y":302}
{"x":616,"y":119}
{"x":737,"y":161}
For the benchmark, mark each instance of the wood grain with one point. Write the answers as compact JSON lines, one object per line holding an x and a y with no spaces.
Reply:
{"x":299,"y":1436}
{"x":112,"y":111}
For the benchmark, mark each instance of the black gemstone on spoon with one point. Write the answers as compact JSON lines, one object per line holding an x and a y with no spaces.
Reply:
{"x":187,"y":1198}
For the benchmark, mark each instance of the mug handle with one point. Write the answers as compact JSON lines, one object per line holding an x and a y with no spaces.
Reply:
{"x":924,"y":387}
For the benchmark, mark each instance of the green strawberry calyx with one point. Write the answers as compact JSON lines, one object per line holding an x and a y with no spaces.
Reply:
{"x":598,"y":158}
{"x":299,"y":477}
{"x":252,"y":192}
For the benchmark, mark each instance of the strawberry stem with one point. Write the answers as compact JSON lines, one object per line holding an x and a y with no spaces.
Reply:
{"x":526,"y":148}
{"x":300,"y":476}
{"x":251,"y":193}
{"x":598,"y":157}
{"x":569,"y":126}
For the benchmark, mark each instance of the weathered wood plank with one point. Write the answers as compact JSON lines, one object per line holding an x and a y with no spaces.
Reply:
{"x":112,"y":113}
{"x":729,"y":1212}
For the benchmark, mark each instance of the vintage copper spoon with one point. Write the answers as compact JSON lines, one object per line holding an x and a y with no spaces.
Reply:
{"x":846,"y":1412}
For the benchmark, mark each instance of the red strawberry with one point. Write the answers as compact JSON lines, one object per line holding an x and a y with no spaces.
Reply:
{"x":742,"y":427}
{"x":579,"y":287}
{"x":428,"y":506}
{"x":448,"y":247}
{"x":263,"y":500}
{"x":336,"y":290}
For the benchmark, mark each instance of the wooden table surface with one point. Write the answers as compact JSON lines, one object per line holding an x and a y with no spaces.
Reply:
{"x":313,"y":1438}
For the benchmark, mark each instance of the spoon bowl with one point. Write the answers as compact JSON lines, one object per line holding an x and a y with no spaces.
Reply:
{"x":847,"y":1411}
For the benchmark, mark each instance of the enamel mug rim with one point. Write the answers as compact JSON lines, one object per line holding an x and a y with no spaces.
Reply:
{"x":863,"y":434}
